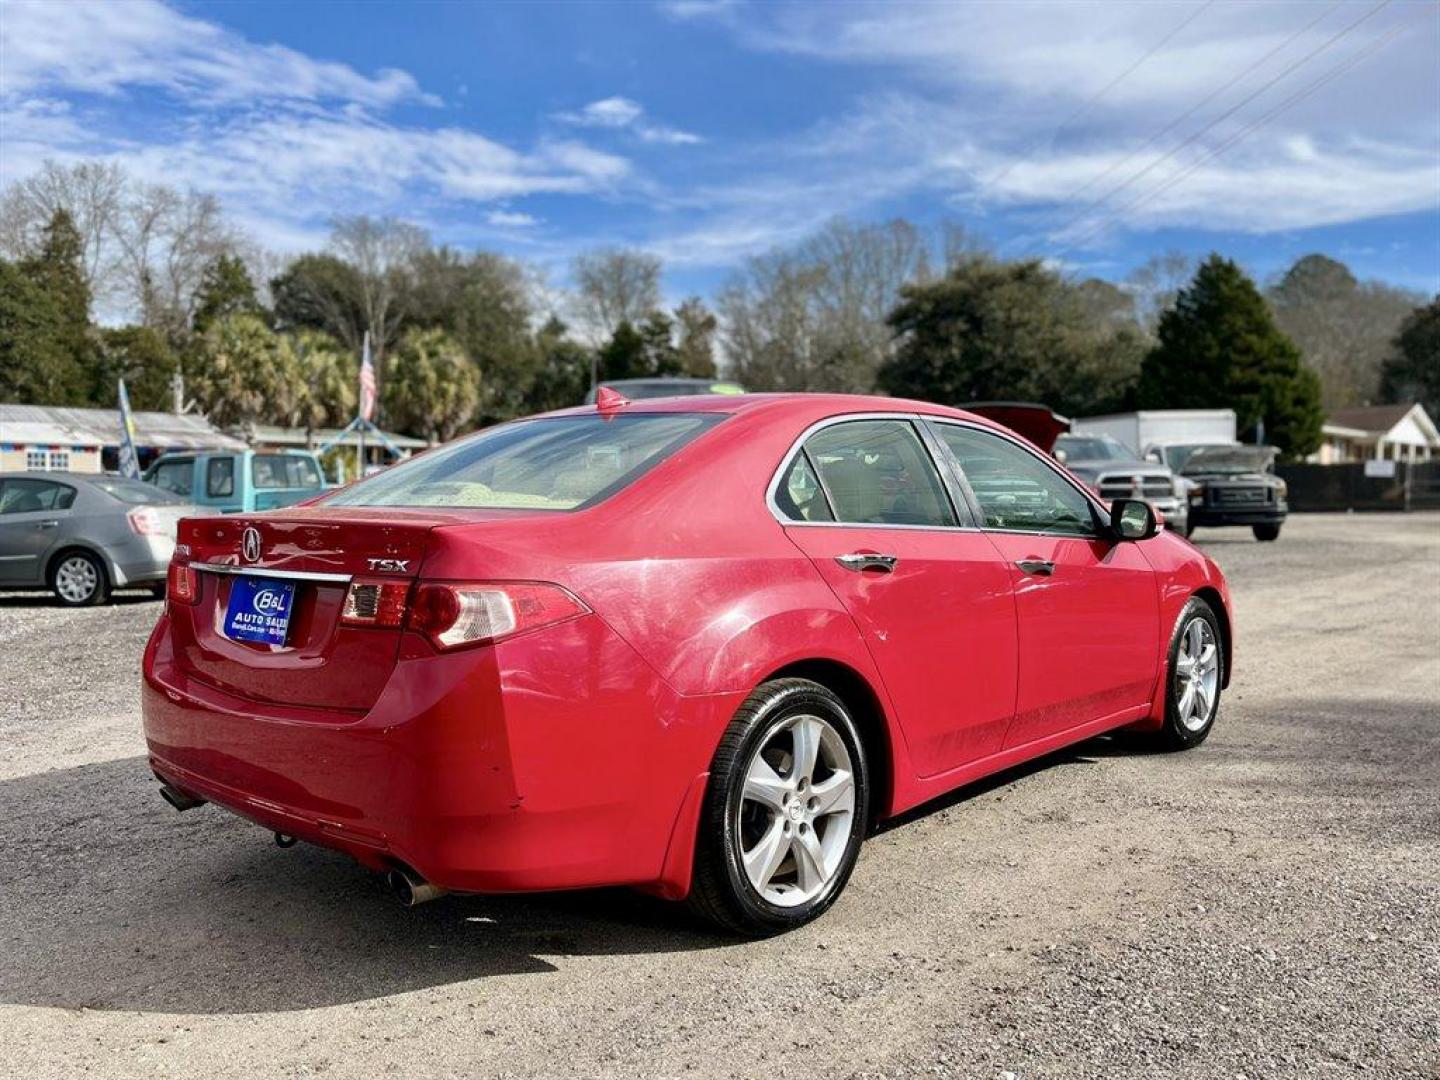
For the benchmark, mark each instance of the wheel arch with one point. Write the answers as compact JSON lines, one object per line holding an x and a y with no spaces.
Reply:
{"x":1217,"y":604}
{"x":865,"y":706}
{"x":69,"y":547}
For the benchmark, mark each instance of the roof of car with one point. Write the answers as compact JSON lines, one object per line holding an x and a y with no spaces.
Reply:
{"x":747,"y":403}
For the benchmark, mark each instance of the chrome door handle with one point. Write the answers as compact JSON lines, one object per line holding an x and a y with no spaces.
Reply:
{"x":1037,"y":567}
{"x":47,"y":524}
{"x":867,"y":560}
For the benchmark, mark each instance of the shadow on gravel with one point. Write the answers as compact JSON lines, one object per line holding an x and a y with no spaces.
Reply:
{"x":48,"y":600}
{"x":111,"y":900}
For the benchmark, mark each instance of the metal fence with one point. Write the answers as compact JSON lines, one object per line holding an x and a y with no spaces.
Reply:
{"x":1348,"y":487}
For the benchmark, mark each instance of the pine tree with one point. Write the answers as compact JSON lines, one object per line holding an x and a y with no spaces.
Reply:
{"x":225,"y":289}
{"x":1219,"y":347}
{"x":47,"y":355}
{"x":1412,"y":371}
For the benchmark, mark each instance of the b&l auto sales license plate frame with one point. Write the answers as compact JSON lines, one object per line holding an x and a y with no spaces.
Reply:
{"x":259,"y":610}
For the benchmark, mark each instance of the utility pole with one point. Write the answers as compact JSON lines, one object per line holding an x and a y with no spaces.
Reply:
{"x":177,"y":393}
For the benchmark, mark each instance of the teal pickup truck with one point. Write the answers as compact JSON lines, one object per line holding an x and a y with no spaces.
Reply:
{"x":234,"y":481}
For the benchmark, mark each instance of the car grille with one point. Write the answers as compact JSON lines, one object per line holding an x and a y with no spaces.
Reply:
{"x":1123,"y":487}
{"x":1240,"y":496}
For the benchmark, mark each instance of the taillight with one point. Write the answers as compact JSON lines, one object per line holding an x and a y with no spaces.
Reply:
{"x":146,"y":522}
{"x":182,"y":584}
{"x":375,"y":603}
{"x":454,"y":614}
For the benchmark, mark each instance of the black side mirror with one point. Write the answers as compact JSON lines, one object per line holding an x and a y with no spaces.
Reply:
{"x":1133,"y":519}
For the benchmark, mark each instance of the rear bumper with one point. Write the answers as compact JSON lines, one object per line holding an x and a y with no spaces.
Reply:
{"x":555,"y":760}
{"x":143,"y":560}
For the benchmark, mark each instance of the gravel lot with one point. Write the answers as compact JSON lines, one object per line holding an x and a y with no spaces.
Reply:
{"x":1265,"y":906}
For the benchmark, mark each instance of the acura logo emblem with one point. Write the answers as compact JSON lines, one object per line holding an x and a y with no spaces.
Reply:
{"x":250,"y":544}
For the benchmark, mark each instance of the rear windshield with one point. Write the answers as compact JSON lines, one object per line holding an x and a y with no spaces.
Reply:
{"x":270,"y":471}
{"x":135,"y":491}
{"x":564,"y":463}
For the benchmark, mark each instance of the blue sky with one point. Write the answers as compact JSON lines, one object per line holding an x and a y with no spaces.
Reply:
{"x":1092,"y":134}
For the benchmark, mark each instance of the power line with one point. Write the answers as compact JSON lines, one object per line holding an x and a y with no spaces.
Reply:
{"x":1246,"y":100}
{"x":1094,"y":99}
{"x":1329,"y":76}
{"x":1206,"y":100}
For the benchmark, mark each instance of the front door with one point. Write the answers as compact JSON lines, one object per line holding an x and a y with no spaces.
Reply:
{"x":932,"y":598}
{"x":1088,"y":606}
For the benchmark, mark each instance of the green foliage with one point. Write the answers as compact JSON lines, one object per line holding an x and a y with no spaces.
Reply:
{"x":225,"y":289}
{"x":47,"y":354}
{"x":245,"y":373}
{"x":993,"y":330}
{"x":429,"y":388}
{"x":143,"y":358}
{"x":329,"y":381}
{"x":695,"y":350}
{"x":320,"y":292}
{"x":562,"y":373}
{"x":1218,"y":347}
{"x":1412,"y":371}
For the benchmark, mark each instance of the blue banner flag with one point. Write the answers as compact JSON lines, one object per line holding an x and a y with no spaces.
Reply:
{"x":129,"y":460}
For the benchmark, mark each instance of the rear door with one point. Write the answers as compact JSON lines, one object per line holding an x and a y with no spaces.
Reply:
{"x":932,"y":598}
{"x":33,"y":516}
{"x":1088,"y":606}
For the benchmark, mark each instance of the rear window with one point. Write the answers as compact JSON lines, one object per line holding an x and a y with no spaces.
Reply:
{"x":270,"y":471}
{"x":135,"y":492}
{"x":565,"y":463}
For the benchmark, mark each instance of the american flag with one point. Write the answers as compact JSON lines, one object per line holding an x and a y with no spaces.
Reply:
{"x":367,"y":382}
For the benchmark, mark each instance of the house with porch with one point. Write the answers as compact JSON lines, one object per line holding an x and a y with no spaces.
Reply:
{"x":1404,"y":432}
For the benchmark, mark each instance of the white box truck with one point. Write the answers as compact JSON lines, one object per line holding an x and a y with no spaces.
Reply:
{"x":1153,"y":432}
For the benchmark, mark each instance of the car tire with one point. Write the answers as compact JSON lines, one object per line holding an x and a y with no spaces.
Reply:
{"x":777,"y":841}
{"x":1189,"y":530}
{"x":1266,"y":533}
{"x":78,"y":579}
{"x":1192,"y":692}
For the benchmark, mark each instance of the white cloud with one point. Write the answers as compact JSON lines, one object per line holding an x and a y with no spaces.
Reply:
{"x":511,"y":219}
{"x":621,"y":113}
{"x":106,"y":48}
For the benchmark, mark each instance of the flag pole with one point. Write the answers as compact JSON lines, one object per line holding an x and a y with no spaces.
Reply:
{"x":360,"y":450}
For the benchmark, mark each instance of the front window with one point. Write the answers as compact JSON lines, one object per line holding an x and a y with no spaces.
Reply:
{"x":1017,"y":491}
{"x":272,"y":471}
{"x":176,"y":477}
{"x":564,"y":463}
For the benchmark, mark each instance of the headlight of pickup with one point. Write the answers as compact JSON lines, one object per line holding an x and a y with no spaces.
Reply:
{"x":1282,"y":489}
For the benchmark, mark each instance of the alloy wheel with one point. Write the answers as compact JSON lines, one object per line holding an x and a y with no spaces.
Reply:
{"x":77,"y":579}
{"x":1197,"y":671}
{"x":797,"y":810}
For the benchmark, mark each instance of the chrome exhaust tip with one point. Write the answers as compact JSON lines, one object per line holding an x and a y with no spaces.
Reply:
{"x":180,"y":800}
{"x":411,"y":889}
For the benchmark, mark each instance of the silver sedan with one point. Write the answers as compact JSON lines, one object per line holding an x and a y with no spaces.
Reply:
{"x":81,"y":535}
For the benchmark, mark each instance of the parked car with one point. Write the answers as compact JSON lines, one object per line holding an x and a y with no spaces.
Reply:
{"x":1234,"y":485}
{"x":81,"y":535}
{"x":699,"y":646}
{"x":1115,"y":471}
{"x":665,"y":386}
{"x":231,"y":481}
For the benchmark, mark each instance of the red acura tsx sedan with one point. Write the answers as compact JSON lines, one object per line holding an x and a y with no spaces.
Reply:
{"x":695,"y":645}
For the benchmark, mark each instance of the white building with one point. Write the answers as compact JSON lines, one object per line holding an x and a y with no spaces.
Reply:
{"x":1378,"y":432}
{"x":53,"y":438}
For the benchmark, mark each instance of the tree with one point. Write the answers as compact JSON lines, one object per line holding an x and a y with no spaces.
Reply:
{"x":167,"y":238}
{"x":623,"y":356}
{"x":1009,"y":330}
{"x":329,"y":381}
{"x":45,"y":340}
{"x":1412,"y":370}
{"x":244,"y":373}
{"x":1343,"y":327}
{"x":382,"y":254}
{"x":562,"y":371}
{"x":430,"y":388}
{"x":143,"y":358}
{"x":1219,"y":346}
{"x":695,"y":351}
{"x":615,"y":287}
{"x":1156,"y":283}
{"x":320,"y":292}
{"x":90,"y":192}
{"x":225,"y":289}
{"x":36,"y":365}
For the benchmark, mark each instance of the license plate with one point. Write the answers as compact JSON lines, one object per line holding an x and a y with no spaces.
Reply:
{"x":259,"y":610}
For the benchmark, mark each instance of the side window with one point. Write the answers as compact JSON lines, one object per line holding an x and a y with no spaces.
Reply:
{"x":1015,"y":489}
{"x":35,"y":496}
{"x":878,"y":472}
{"x":220,"y":477}
{"x":799,"y":496}
{"x":174,"y":476}
{"x":284,"y":471}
